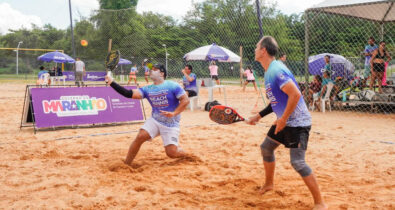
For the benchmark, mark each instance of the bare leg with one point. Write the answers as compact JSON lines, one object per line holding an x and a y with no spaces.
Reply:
{"x":218,"y":83}
{"x":244,"y":85}
{"x":134,"y":148}
{"x":172,"y":151}
{"x":256,"y":89}
{"x":146,"y":78}
{"x":310,"y":97}
{"x":312,"y":184}
{"x":269,"y":176}
{"x":380,"y":81}
{"x":372,"y":80}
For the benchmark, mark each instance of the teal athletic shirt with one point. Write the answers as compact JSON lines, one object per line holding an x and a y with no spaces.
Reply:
{"x":275,"y":78}
{"x":164,"y":97}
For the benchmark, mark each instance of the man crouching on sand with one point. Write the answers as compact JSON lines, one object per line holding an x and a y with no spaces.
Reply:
{"x":168,"y":99}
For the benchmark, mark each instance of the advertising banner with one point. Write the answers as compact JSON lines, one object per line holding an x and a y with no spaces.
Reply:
{"x":90,"y":75}
{"x":69,"y":106}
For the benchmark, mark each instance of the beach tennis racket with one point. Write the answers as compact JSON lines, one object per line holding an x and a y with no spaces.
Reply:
{"x":111,"y":61}
{"x":224,"y":115}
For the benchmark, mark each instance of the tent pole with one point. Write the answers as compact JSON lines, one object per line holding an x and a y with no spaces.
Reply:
{"x":241,"y":66}
{"x":258,"y":14}
{"x":382,"y":31}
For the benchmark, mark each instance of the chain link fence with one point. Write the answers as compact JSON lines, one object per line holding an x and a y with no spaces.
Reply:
{"x":232,"y":24}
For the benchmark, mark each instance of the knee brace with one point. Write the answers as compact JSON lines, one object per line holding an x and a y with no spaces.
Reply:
{"x":298,"y":162}
{"x":267,"y":150}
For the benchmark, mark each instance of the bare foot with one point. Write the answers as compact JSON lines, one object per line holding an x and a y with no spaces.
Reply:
{"x":322,"y":206}
{"x":265,"y":188}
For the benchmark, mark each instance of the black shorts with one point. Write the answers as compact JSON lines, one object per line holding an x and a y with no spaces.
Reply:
{"x":191,"y":93}
{"x":250,"y":80}
{"x":378,"y":67}
{"x":291,"y":137}
{"x":215,"y":77}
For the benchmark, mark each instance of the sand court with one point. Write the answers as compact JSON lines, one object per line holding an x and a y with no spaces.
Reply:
{"x":352,"y":155}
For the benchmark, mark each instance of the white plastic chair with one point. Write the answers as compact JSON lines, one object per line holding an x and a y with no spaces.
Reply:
{"x":326,"y":98}
{"x":195,"y":100}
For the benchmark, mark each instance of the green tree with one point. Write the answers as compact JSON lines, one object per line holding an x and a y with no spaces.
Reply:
{"x":117,"y":4}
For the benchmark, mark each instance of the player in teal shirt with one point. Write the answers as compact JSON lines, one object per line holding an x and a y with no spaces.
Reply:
{"x":293,"y":123}
{"x":168,"y":100}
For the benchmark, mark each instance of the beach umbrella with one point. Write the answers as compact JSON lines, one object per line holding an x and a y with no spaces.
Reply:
{"x":340,"y":66}
{"x":56,"y":57}
{"x":124,"y":62}
{"x":212,"y":52}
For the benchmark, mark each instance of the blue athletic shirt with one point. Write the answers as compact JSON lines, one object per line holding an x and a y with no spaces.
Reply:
{"x":41,"y":72}
{"x":275,"y":78}
{"x":133,"y":69}
{"x":164,"y":97}
{"x":190,"y":85}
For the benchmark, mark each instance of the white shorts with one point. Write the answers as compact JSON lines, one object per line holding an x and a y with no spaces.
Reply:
{"x":169,"y":134}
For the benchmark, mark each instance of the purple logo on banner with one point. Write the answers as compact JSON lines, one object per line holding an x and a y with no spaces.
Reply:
{"x":90,"y":75}
{"x":78,"y":106}
{"x":94,"y":76}
{"x":69,"y":75}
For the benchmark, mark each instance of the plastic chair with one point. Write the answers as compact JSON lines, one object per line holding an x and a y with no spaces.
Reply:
{"x":195,"y":100}
{"x":326,"y":98}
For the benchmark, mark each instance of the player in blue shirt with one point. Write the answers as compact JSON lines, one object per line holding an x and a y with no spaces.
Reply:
{"x":132,"y":74}
{"x":293,"y":122}
{"x":168,"y":100}
{"x":189,"y":81}
{"x":146,"y":69}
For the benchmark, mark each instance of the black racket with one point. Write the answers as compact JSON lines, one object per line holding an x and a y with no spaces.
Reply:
{"x":112,"y":61}
{"x":224,"y":115}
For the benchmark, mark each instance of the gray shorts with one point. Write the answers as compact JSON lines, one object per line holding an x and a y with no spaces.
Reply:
{"x":79,"y":76}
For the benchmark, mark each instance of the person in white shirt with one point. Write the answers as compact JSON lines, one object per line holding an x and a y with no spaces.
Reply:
{"x":79,"y":72}
{"x":214,"y":72}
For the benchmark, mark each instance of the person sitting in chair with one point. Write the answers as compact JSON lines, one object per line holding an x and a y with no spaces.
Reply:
{"x":189,"y":81}
{"x":314,"y":87}
{"x":325,"y":81}
{"x":41,"y":72}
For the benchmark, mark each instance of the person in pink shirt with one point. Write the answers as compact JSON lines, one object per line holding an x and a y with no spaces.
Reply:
{"x":214,"y":72}
{"x":250,"y":78}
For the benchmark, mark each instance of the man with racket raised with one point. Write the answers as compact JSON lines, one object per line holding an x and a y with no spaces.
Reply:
{"x":293,"y":122}
{"x":168,"y":100}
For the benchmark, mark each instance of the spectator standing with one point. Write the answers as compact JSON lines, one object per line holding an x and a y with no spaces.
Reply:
{"x":250,"y":78}
{"x":79,"y":72}
{"x":214,"y":72}
{"x":377,"y":63}
{"x":132,"y":74}
{"x":369,"y":49}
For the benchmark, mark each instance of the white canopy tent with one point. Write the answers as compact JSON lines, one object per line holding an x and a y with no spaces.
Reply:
{"x":383,"y":11}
